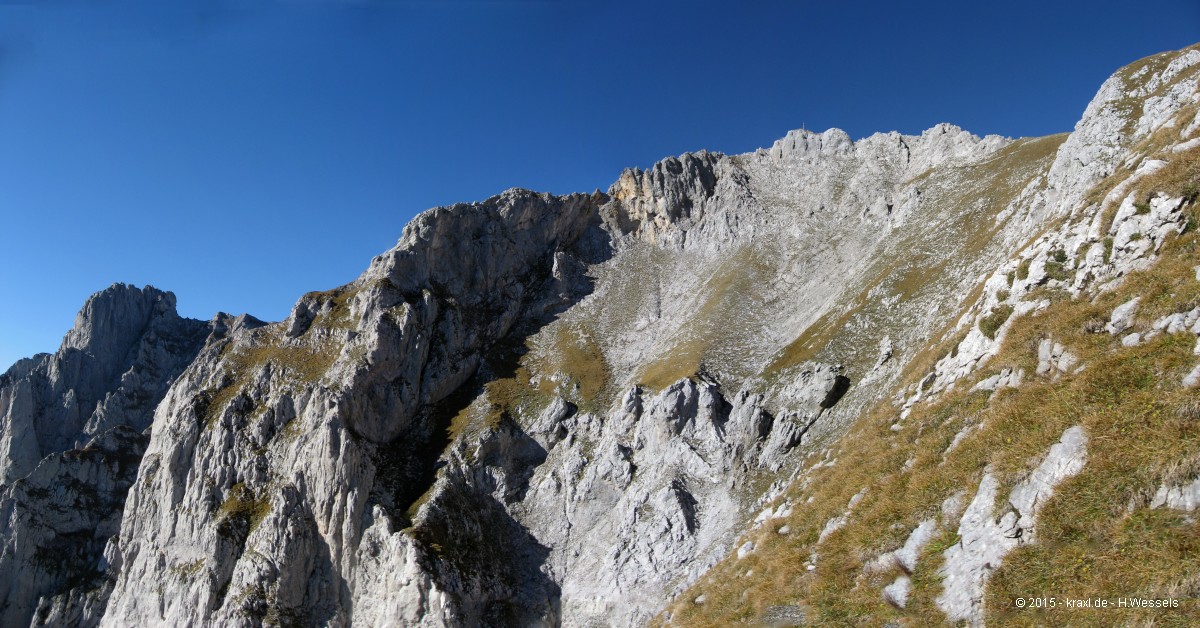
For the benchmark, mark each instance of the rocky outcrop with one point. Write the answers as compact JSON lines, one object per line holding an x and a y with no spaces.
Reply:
{"x":1122,"y":316}
{"x":1054,"y":359}
{"x":544,"y":410}
{"x":1129,"y":106}
{"x":59,"y":519}
{"x":282,"y":448}
{"x":1184,"y":497}
{"x":113,"y":367}
{"x":984,"y":539}
{"x":315,"y":447}
{"x":1095,"y":246}
{"x":71,"y":438}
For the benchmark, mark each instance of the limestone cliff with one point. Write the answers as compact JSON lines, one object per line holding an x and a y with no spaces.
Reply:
{"x":72,"y":429}
{"x":566,"y":410}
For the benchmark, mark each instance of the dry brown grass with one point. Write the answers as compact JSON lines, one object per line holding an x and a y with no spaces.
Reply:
{"x":338,"y":316}
{"x":575,"y":355}
{"x":977,"y":194}
{"x":1177,"y":179}
{"x":1097,"y":536}
{"x":727,"y":294}
{"x":815,"y":338}
{"x":567,"y":362}
{"x":240,"y":501}
{"x":306,"y":359}
{"x":1180,"y":177}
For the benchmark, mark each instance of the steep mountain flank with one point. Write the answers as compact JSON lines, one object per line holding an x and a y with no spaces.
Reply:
{"x":1045,"y":443}
{"x":732,"y":388}
{"x":72,"y":429}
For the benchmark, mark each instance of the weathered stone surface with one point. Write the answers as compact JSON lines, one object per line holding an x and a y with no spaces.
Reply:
{"x":545,"y":410}
{"x":114,"y":364}
{"x":985,"y":539}
{"x":71,"y":439}
{"x":1054,"y":359}
{"x":1122,"y":316}
{"x":897,"y":592}
{"x":1184,"y":497}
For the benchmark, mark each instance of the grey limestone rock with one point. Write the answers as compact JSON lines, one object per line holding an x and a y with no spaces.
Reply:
{"x":1006,"y":378}
{"x":1122,"y":316}
{"x":1192,"y":379}
{"x":560,"y":410}
{"x":1054,"y":359}
{"x":897,"y":592}
{"x":71,"y":438}
{"x":986,"y":539}
{"x":114,"y":364}
{"x":1184,"y":497}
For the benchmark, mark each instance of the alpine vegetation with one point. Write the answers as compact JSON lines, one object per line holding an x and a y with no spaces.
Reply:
{"x":916,"y":379}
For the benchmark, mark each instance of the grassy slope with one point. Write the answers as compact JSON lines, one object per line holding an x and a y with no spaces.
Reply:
{"x":1097,"y":536}
{"x":567,"y":358}
{"x":930,"y":258}
{"x":724,"y":316}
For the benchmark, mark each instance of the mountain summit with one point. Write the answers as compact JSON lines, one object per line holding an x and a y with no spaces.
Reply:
{"x":831,"y":381}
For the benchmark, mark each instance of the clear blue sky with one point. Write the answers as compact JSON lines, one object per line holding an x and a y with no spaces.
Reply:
{"x":241,"y":153}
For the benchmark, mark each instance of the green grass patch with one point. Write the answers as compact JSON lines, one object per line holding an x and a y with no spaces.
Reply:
{"x":1057,"y":271}
{"x":1023,"y":269}
{"x":241,"y":502}
{"x":991,"y":323}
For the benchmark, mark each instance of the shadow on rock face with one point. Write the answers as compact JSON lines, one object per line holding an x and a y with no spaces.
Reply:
{"x":841,"y":384}
{"x":488,"y":557}
{"x":408,"y":463}
{"x":482,"y":553}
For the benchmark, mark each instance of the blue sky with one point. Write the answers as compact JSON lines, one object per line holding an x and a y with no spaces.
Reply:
{"x":241,"y":153}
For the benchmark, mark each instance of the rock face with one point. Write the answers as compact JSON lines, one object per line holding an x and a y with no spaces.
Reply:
{"x":112,"y":368}
{"x":985,"y":539}
{"x":71,"y":438}
{"x":560,"y":410}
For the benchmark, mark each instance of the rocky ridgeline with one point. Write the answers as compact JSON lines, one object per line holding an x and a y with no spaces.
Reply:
{"x":73,"y":426}
{"x":542,"y":410}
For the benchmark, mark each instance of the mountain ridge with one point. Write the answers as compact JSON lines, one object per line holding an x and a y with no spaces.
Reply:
{"x":542,"y":409}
